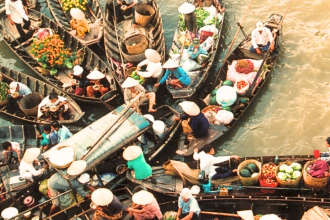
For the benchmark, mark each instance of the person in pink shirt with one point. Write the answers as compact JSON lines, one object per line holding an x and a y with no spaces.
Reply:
{"x":10,"y":149}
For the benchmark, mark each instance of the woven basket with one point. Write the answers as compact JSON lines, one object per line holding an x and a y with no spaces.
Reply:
{"x":134,"y":58}
{"x":66,"y":165}
{"x":317,"y":184}
{"x":5,"y":101}
{"x":29,"y":104}
{"x":141,"y":44}
{"x":141,"y":16}
{"x":249,"y":181}
{"x":287,"y":183}
{"x":210,"y":106}
{"x":130,"y":70}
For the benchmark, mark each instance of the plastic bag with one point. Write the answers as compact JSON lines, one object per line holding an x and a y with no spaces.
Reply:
{"x":190,"y":65}
{"x":207,"y":44}
{"x":210,"y":115}
{"x":185,"y":39}
{"x":242,"y":91}
{"x":224,"y":117}
{"x":193,"y":74}
{"x":201,"y":58}
{"x":233,"y":76}
{"x":226,"y":96}
{"x":209,"y":28}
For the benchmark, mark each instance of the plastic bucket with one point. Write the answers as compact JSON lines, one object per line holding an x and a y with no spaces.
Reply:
{"x":195,"y":189}
{"x":159,"y":127}
{"x":8,"y":213}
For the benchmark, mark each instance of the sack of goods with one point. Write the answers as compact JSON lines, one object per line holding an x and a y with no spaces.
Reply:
{"x":224,"y":117}
{"x":241,"y":86}
{"x":62,"y":157}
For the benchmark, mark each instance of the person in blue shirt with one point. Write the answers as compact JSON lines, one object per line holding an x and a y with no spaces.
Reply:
{"x":194,"y":123}
{"x":188,"y":206}
{"x":62,"y":131}
{"x":194,"y":50}
{"x":178,"y":78}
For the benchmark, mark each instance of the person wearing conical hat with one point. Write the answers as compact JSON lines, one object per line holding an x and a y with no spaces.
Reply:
{"x":188,"y":206}
{"x":81,"y":81}
{"x":176,"y":76}
{"x":144,"y":206}
{"x":26,"y":168}
{"x":137,"y":163}
{"x":196,"y":52}
{"x":261,"y":39}
{"x":57,"y":185}
{"x":79,"y":22}
{"x":194,"y":123}
{"x":154,"y":67}
{"x":99,"y":84}
{"x":190,"y":19}
{"x":132,"y":88}
{"x":108,"y":205}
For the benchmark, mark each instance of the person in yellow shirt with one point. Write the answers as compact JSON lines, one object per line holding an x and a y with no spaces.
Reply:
{"x":79,"y":22}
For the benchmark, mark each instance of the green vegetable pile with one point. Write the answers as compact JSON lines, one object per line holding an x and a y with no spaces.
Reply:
{"x":137,"y":77}
{"x":291,"y":172}
{"x":3,"y":90}
{"x":201,"y":15}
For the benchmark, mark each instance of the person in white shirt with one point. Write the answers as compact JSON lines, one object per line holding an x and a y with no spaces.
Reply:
{"x":261,"y":39}
{"x":207,"y":160}
{"x":17,"y":16}
{"x":10,"y":149}
{"x":26,"y":167}
{"x":47,"y":104}
{"x":154,"y":67}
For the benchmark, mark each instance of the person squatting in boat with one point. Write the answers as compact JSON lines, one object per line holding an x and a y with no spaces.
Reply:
{"x":188,"y":206}
{"x":27,"y":166}
{"x":261,"y":39}
{"x":53,"y":106}
{"x":150,"y":67}
{"x":63,"y":132}
{"x":79,"y":23}
{"x":11,"y":150}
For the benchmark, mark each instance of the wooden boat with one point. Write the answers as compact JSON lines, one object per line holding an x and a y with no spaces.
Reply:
{"x":172,"y":185}
{"x":241,"y":52}
{"x":93,"y":15}
{"x":198,"y":76}
{"x":73,"y":114}
{"x":90,"y":59}
{"x":117,"y":33}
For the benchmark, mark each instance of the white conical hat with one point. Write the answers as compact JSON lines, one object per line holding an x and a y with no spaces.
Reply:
{"x":270,"y":217}
{"x":186,"y":8}
{"x":190,"y":108}
{"x":31,"y":154}
{"x":143,"y":198}
{"x":246,"y":214}
{"x":77,"y":167}
{"x":77,"y":14}
{"x":95,"y":75}
{"x":77,"y":70}
{"x":84,"y":178}
{"x":102,"y":197}
{"x":152,"y":55}
{"x":170,"y":64}
{"x":132,"y":152}
{"x":129,"y":82}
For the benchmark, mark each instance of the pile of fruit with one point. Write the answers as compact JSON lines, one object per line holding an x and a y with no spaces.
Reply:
{"x":241,"y":84}
{"x":4,"y":88}
{"x":251,"y":170}
{"x":212,"y":109}
{"x":136,"y":76}
{"x":68,"y":4}
{"x":268,"y":176}
{"x":244,"y":66}
{"x":288,"y":173}
{"x":52,"y":54}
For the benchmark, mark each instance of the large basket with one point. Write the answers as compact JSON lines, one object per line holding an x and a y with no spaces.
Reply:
{"x":317,"y":184}
{"x":144,"y":14}
{"x":249,"y":181}
{"x":5,"y":101}
{"x":141,"y":44}
{"x":66,"y":165}
{"x":29,"y":104}
{"x":287,"y":183}
{"x":134,"y":58}
{"x":130,"y":70}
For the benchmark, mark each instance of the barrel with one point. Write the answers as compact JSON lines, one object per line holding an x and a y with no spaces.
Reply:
{"x":144,"y":14}
{"x":29,"y":103}
{"x":8,"y":213}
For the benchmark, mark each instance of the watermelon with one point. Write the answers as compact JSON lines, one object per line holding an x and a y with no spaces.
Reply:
{"x":214,"y":92}
{"x":227,"y":83}
{"x":53,"y":71}
{"x":213,"y":101}
{"x":227,"y":108}
{"x":69,"y":65}
{"x":252,"y":167}
{"x":245,"y":173}
{"x":243,"y":100}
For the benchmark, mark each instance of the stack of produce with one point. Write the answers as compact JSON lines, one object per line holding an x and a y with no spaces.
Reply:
{"x":210,"y":112}
{"x":201,"y":15}
{"x":52,"y":54}
{"x":244,"y":66}
{"x":289,"y":175}
{"x":136,"y":76}
{"x":268,"y":175}
{"x":68,"y":4}
{"x":249,"y":172}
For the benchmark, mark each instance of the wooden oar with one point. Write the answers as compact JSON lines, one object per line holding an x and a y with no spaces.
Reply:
{"x":182,"y":46}
{"x":215,"y":27}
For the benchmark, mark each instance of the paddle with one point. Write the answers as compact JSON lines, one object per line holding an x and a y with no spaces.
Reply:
{"x":267,"y":54}
{"x":182,"y":46}
{"x":215,"y":27}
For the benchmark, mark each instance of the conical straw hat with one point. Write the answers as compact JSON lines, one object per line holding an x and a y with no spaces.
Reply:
{"x":152,"y":55}
{"x":31,"y":154}
{"x":170,"y":64}
{"x":186,"y":8}
{"x":102,"y":197}
{"x":132,"y":152}
{"x":190,"y":108}
{"x":143,"y":198}
{"x":129,"y":82}
{"x":95,"y":75}
{"x":77,"y":167}
{"x":246,"y":214}
{"x":77,"y":14}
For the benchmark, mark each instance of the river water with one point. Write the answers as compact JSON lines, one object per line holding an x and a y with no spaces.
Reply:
{"x":290,"y":114}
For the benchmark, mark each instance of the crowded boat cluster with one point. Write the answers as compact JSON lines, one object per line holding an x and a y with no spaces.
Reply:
{"x":115,"y":56}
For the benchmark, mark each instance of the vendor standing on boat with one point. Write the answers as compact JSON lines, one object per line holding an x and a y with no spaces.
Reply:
{"x":194,"y":124}
{"x":188,"y":206}
{"x":100,"y":84}
{"x":132,"y":88}
{"x":81,"y":81}
{"x":131,"y":4}
{"x":154,"y":67}
{"x":190,"y":19}
{"x":177,"y":77}
{"x":207,"y":160}
{"x":79,"y":22}
{"x":63,"y":132}
{"x":53,"y":106}
{"x":27,"y":168}
{"x":196,"y":52}
{"x":10,"y":150}
{"x":57,"y":185}
{"x":108,"y":205}
{"x":261,"y":39}
{"x":17,"y":15}
{"x":144,"y":206}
